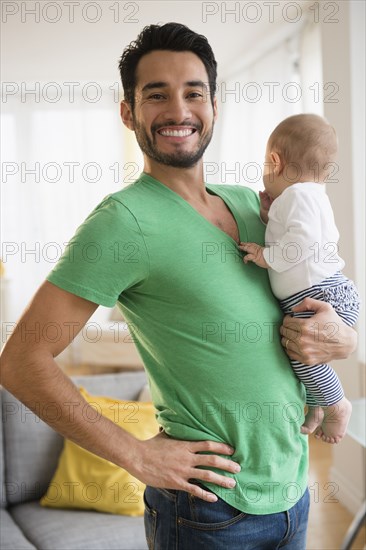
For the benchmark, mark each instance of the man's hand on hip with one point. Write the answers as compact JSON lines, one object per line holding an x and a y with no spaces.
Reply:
{"x":170,"y":463}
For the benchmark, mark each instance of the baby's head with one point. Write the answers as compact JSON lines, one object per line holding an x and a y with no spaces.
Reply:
{"x":299,"y":149}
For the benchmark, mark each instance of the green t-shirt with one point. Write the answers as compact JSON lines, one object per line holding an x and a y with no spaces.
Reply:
{"x":206,"y":326}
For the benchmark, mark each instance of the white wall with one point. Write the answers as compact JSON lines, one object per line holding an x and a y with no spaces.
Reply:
{"x":343,"y":47}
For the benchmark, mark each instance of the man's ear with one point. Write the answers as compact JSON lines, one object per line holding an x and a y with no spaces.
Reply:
{"x":215,"y":111}
{"x":126,"y":115}
{"x":277,"y":163}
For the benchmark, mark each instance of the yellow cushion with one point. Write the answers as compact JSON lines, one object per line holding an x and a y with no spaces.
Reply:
{"x":84,"y":480}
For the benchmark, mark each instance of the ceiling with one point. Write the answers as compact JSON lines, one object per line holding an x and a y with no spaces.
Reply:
{"x":74,"y":48}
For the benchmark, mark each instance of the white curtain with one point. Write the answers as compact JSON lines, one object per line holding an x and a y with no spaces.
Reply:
{"x":285,"y":80}
{"x":58,"y":161}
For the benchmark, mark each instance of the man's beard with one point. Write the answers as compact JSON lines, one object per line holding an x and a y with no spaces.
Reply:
{"x":178,"y":159}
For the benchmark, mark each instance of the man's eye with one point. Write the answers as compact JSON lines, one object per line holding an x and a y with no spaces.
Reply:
{"x":195,"y":95}
{"x":156,"y":96}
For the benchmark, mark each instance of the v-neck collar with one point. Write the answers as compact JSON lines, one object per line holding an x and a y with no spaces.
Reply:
{"x":208,"y":188}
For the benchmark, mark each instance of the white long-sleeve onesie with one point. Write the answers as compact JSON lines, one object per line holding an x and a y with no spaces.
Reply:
{"x":301,"y":239}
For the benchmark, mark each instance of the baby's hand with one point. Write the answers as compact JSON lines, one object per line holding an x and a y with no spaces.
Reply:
{"x":254,"y":254}
{"x":265,"y":200}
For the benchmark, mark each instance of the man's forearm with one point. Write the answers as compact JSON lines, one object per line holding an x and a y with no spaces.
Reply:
{"x":37,"y":381}
{"x":347,"y":340}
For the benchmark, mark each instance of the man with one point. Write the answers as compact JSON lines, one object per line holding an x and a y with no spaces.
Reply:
{"x":229,"y":467}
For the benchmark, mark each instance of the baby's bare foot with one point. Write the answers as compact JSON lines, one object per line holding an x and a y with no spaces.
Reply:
{"x":313,"y":419}
{"x":334,"y":425}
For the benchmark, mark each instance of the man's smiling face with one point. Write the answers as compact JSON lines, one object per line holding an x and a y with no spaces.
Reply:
{"x":173,"y":116}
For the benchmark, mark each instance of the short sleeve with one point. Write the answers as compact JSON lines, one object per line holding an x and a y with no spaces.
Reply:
{"x":106,"y":256}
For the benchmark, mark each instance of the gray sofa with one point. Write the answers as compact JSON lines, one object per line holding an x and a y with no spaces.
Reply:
{"x":29,"y":451}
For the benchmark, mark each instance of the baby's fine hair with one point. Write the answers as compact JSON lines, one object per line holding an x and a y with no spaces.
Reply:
{"x":306,"y":141}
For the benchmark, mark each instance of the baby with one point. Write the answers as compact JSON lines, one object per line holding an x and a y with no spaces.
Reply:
{"x":301,"y":252}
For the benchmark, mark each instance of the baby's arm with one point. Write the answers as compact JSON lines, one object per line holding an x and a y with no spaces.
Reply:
{"x":255,"y":251}
{"x":265,"y":202}
{"x":297,"y":221}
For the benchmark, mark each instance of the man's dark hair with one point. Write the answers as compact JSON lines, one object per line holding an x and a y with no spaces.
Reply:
{"x":173,"y":37}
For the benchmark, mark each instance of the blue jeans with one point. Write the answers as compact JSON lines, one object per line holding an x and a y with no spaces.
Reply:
{"x":176,"y":520}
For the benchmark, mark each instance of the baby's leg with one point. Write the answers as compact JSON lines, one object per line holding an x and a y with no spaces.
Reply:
{"x":313,"y":419}
{"x":334,"y":425}
{"x":328,"y":423}
{"x":329,"y":411}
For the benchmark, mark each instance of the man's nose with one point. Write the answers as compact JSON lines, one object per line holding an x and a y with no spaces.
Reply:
{"x":177,"y":109}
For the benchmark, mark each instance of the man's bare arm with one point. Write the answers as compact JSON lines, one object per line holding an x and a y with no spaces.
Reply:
{"x":318,"y":339}
{"x":29,"y":371}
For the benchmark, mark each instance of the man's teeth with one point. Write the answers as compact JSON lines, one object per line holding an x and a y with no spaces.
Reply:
{"x":176,"y":133}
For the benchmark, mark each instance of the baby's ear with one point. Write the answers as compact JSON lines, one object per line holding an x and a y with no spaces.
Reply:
{"x":277,"y":163}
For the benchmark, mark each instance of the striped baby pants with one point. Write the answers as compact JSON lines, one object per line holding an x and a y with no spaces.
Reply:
{"x":322,"y":384}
